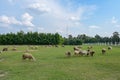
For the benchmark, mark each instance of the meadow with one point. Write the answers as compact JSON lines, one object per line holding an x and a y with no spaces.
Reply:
{"x":52,"y":64}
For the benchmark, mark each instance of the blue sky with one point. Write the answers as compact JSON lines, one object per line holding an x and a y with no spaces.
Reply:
{"x":74,"y":17}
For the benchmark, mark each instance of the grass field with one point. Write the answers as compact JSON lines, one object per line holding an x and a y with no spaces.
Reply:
{"x":52,"y":64}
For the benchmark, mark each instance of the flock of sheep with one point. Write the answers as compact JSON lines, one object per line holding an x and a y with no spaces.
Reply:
{"x":26,"y":54}
{"x":78,"y":51}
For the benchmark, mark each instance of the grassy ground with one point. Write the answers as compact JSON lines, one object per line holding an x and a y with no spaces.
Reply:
{"x":52,"y":64}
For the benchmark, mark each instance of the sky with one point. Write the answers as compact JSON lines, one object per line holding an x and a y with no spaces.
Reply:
{"x":67,"y":17}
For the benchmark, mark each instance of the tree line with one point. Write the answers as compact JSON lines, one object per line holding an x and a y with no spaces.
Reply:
{"x":35,"y":38}
{"x":30,"y":38}
{"x":83,"y":38}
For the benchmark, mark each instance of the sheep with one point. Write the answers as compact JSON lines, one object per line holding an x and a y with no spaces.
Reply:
{"x":28,"y":56}
{"x":88,"y":52}
{"x":83,"y":52}
{"x":5,"y":49}
{"x":109,"y":47}
{"x":14,"y":49}
{"x":68,"y":53}
{"x":76,"y":52}
{"x":79,"y":47}
{"x":103,"y":51}
{"x":31,"y":47}
{"x":56,"y":46}
{"x":92,"y":53}
{"x":76,"y":48}
{"x":80,"y":52}
{"x":89,"y":47}
{"x":36,"y":47}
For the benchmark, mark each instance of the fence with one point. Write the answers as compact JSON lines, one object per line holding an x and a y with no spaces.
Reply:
{"x":106,"y":43}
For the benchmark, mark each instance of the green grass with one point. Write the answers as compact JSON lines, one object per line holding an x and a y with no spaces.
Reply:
{"x":52,"y":64}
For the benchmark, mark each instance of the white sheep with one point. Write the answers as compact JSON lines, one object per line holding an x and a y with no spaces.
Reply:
{"x":68,"y":54}
{"x":109,"y":47}
{"x":76,"y":48}
{"x":76,"y":52}
{"x":103,"y":51}
{"x":83,"y":52}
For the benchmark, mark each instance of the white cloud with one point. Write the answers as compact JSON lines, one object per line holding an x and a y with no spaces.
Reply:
{"x":56,"y":14}
{"x":39,"y":8}
{"x":74,"y":18}
{"x":26,"y":20}
{"x":94,"y":27}
{"x":9,"y":20}
{"x":27,"y":16}
{"x":115,"y":22}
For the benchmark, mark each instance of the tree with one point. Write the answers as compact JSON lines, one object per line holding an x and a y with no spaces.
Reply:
{"x":115,"y":38}
{"x":98,"y":38}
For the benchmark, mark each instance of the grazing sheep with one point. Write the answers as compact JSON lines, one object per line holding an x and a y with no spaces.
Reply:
{"x":88,"y":52}
{"x":26,"y":51}
{"x":92,"y":53}
{"x":49,"y":45}
{"x":76,"y":52}
{"x":103,"y":51}
{"x":90,"y":47}
{"x":5,"y":49}
{"x":76,"y":48}
{"x":79,"y":47}
{"x":36,"y":47}
{"x":109,"y":47}
{"x":68,"y":53}
{"x":83,"y":52}
{"x":31,"y":47}
{"x":28,"y":56}
{"x":56,"y":46}
{"x":14,"y":49}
